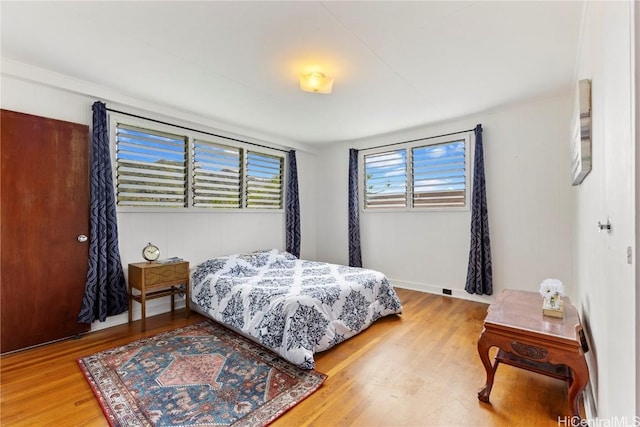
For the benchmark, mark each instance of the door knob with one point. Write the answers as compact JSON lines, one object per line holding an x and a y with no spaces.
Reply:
{"x":82,"y":238}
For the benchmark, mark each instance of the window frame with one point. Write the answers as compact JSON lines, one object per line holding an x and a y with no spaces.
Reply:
{"x":469,"y":142}
{"x":115,"y":118}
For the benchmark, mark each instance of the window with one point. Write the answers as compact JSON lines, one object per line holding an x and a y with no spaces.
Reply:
{"x":439,"y":178}
{"x":151,"y":168}
{"x":159,"y":169}
{"x":417,"y":176}
{"x":386,"y":179}
{"x":264,"y":181}
{"x":217,"y":178}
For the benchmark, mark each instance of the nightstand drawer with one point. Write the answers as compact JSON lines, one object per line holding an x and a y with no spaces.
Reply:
{"x":166,"y":273}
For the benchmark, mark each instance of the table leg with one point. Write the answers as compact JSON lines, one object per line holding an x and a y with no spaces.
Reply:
{"x":130,"y":298}
{"x":483,"y":350}
{"x":576,"y":387}
{"x":143,"y":309}
{"x":186,"y":299}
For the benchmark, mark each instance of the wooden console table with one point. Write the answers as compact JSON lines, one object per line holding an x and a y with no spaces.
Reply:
{"x":528,"y":340}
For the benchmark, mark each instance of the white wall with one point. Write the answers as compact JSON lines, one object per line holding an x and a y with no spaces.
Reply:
{"x":195,"y":236}
{"x":530,"y":204}
{"x":636,"y":42}
{"x":606,"y":281}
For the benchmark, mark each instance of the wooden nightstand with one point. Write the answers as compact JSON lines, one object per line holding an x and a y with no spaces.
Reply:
{"x":155,"y":280}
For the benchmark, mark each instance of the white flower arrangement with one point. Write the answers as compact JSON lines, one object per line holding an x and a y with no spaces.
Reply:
{"x":551,"y":287}
{"x":551,"y":290}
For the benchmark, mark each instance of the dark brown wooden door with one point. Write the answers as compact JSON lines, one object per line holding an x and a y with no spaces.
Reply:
{"x":44,"y":182}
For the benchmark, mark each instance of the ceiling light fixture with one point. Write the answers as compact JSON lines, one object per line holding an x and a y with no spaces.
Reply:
{"x":316,"y":82}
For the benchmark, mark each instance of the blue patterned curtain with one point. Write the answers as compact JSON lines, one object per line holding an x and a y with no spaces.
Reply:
{"x":355,"y":253}
{"x":479,"y":272}
{"x":106,"y":290}
{"x":292,"y":214}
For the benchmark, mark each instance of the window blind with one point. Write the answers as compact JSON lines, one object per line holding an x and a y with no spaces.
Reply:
{"x":155,"y":168}
{"x":151,"y":168}
{"x":264,"y":181}
{"x":217,"y":176}
{"x":385,"y":179}
{"x":439,"y":176}
{"x":427,"y":176}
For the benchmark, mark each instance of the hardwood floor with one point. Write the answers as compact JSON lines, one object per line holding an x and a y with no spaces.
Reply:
{"x":418,"y":369}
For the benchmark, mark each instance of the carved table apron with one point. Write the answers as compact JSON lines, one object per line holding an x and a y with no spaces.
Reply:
{"x":527,"y":339}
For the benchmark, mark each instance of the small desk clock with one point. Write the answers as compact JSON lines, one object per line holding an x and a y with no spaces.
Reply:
{"x":151,"y":252}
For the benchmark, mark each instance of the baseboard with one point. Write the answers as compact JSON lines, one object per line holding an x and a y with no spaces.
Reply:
{"x":590,"y":408}
{"x":154,"y":307}
{"x":438,"y":290}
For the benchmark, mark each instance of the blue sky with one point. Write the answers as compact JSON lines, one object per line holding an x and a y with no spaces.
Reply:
{"x":145,"y":147}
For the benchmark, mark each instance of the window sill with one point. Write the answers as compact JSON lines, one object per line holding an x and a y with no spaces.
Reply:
{"x":191,"y":211}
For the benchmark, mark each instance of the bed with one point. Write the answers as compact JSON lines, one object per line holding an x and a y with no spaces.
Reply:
{"x":291,"y":306}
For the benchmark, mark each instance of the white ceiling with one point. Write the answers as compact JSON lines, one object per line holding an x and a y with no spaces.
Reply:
{"x":396,"y":65}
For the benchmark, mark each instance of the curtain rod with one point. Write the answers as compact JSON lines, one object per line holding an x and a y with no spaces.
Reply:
{"x":419,"y":139}
{"x":196,"y":130}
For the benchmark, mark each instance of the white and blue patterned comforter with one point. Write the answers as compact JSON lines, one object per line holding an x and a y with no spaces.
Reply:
{"x":294,"y":307}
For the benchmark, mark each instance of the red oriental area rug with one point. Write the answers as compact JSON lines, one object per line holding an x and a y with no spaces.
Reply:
{"x":199,"y":375}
